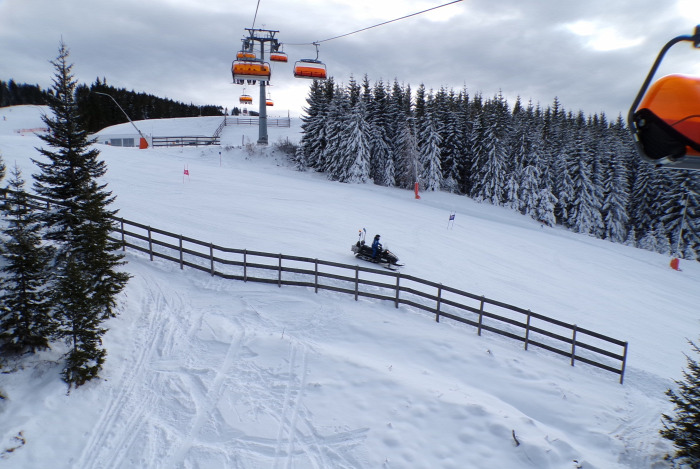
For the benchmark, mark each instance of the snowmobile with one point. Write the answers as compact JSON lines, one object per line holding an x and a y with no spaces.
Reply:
{"x":665,"y":117}
{"x":385,"y":258}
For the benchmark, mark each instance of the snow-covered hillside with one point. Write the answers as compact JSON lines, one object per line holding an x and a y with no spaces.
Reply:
{"x":207,"y":373}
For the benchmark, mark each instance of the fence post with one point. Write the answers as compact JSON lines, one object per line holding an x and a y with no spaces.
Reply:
{"x":573,"y":346}
{"x":123,"y":239}
{"x":357,"y":281}
{"x":437,"y":311}
{"x":624,"y":361}
{"x":279,"y":272}
{"x":398,"y":276}
{"x":245,"y":265}
{"x":527,"y":329}
{"x":481,"y":315}
{"x":150,"y":243}
{"x":181,"y":256}
{"x":316,"y":276}
{"x":211,"y":257}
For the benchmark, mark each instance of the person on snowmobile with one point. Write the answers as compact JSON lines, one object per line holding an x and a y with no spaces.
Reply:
{"x":376,"y":247}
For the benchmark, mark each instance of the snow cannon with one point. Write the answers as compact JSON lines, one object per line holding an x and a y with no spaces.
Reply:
{"x":665,"y":116}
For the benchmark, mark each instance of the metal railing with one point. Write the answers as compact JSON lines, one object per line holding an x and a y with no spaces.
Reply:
{"x":281,"y":122}
{"x":183,"y":141}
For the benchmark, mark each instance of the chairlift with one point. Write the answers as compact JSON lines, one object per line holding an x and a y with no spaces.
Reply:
{"x":665,"y":116}
{"x":276,"y":55}
{"x":245,"y":98}
{"x":250,"y":70}
{"x":245,"y":55}
{"x":310,"y":68}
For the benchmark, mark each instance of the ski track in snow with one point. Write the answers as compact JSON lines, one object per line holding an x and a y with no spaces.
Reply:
{"x":166,"y":408}
{"x":126,"y":411}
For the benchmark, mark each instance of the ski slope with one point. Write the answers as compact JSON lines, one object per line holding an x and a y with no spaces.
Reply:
{"x":203,"y":372}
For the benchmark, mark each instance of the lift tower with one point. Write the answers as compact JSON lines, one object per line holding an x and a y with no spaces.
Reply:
{"x":262,"y":36}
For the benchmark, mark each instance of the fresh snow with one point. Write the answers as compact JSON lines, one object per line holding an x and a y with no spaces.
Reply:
{"x":203,"y":372}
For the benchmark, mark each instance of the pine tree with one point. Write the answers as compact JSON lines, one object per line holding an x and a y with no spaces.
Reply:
{"x":26,"y":324}
{"x":334,"y":125}
{"x":407,"y":155}
{"x":683,"y":428}
{"x":381,"y":158}
{"x":489,"y":146}
{"x":429,"y":154}
{"x":354,"y":155}
{"x":313,"y":141}
{"x":79,"y":223}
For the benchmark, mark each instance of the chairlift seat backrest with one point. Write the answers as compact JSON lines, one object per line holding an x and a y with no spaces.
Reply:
{"x":668,"y":118}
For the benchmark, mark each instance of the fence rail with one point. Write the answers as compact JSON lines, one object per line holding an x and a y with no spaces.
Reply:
{"x":532,"y":329}
{"x":184,"y":141}
{"x":281,"y":122}
{"x":576,"y":343}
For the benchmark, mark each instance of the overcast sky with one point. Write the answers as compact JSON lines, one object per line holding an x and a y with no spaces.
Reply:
{"x":591,"y":54}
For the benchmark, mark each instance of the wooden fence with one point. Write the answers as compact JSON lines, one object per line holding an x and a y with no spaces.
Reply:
{"x":576,"y":343}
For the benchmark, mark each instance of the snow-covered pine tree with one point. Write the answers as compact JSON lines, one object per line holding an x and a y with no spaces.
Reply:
{"x":397,"y":115}
{"x":643,"y":205}
{"x":87,"y":261}
{"x":466,"y":117}
{"x":690,"y":241}
{"x":407,"y":157}
{"x":679,"y":211}
{"x":381,"y":159}
{"x":683,"y":428}
{"x":334,"y":126}
{"x":313,"y":139}
{"x":489,"y":147}
{"x":615,"y":189}
{"x":429,"y":154}
{"x":451,"y":146}
{"x":584,"y":213}
{"x":354,"y":154}
{"x":26,"y":322}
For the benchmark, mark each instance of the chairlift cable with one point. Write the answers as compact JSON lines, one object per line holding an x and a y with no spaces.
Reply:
{"x":256,"y":14}
{"x":376,"y":25}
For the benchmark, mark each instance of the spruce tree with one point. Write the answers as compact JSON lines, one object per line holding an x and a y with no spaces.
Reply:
{"x":26,"y":323}
{"x":79,"y":223}
{"x":429,"y":154}
{"x":354,"y":154}
{"x":407,"y":155}
{"x":683,"y":428}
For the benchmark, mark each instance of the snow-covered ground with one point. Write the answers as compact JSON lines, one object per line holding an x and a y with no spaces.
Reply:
{"x":208,"y":373}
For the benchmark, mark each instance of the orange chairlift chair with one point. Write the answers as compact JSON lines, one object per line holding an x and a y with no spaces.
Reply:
{"x":310,"y":68}
{"x":276,"y":55}
{"x":245,"y":98}
{"x":665,"y":117}
{"x":250,"y":71}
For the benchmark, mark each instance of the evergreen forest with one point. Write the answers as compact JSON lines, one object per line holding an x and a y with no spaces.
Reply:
{"x":98,"y":112}
{"x":556,"y":166}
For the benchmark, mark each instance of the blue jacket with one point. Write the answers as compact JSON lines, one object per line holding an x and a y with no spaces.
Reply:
{"x":376,"y":245}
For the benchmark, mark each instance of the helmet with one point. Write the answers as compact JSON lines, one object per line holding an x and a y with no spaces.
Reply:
{"x":377,"y":236}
